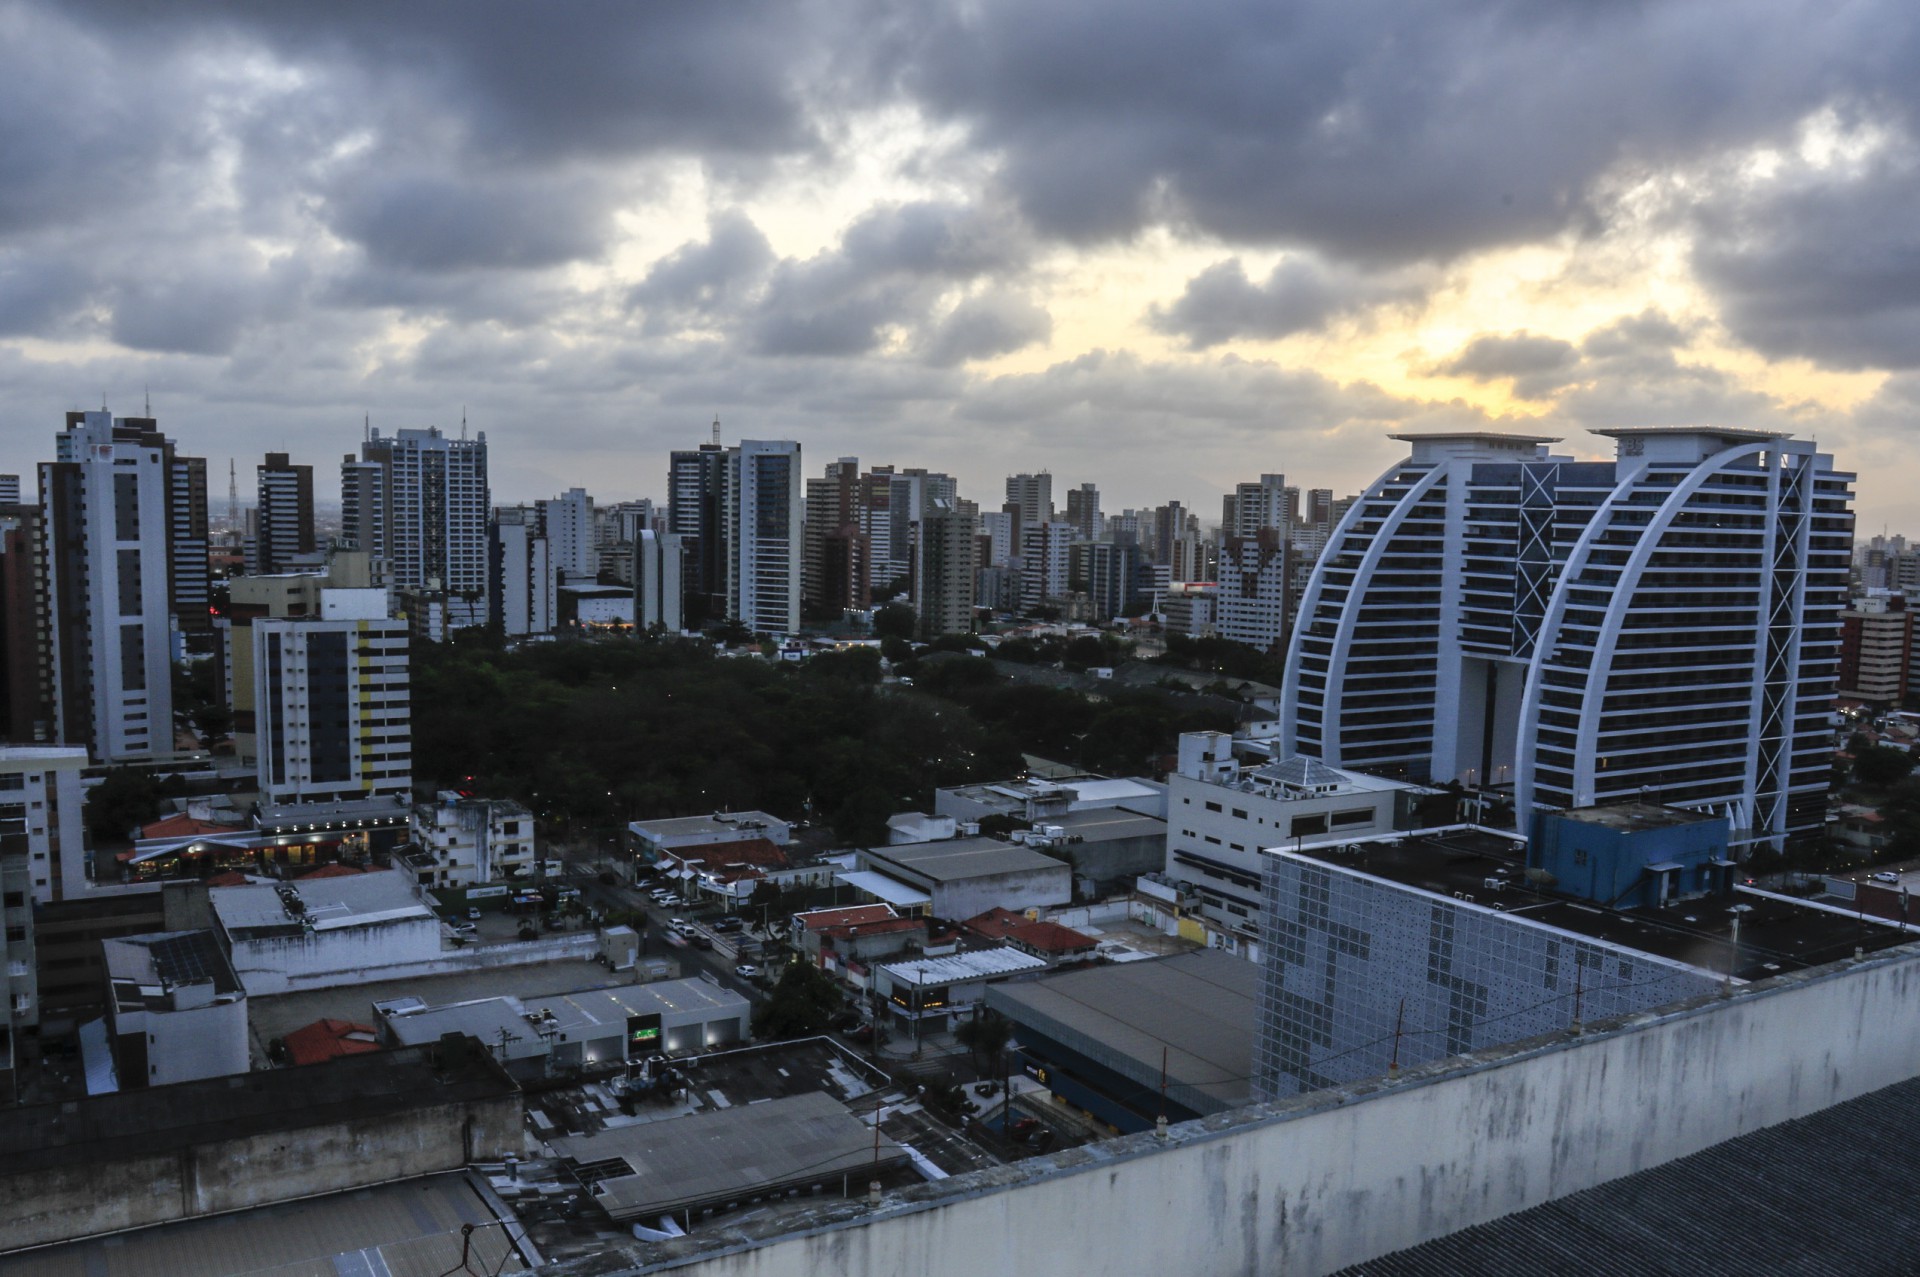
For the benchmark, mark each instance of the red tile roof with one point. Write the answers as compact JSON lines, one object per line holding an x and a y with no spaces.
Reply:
{"x":185,"y":826}
{"x":757,"y":853}
{"x":885,"y":926}
{"x":325,"y":1040}
{"x":851,"y":915}
{"x":1038,"y":937}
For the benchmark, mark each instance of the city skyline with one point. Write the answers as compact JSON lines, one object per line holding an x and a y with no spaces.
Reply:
{"x":1216,"y":248}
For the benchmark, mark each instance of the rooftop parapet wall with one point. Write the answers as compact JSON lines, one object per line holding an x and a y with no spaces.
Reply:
{"x":1311,"y":1185}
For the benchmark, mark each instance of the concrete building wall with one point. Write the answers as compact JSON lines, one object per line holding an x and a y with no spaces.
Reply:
{"x":109,"y":1195}
{"x":320,"y":959}
{"x":209,"y":1041}
{"x":1032,"y":889}
{"x":1312,"y":1185}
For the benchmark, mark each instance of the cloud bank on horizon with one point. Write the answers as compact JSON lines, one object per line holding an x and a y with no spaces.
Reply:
{"x":1162,"y":249}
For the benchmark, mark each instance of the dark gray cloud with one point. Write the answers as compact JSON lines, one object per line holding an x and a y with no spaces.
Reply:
{"x":705,"y":279}
{"x":438,"y":223}
{"x":1537,"y":366}
{"x":1826,"y":266}
{"x":995,"y":323}
{"x":893,"y":267}
{"x":38,"y":292}
{"x":1299,"y":295}
{"x":1373,"y":129}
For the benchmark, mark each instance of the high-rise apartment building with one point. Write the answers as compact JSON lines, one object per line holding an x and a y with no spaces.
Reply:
{"x":1045,"y":560}
{"x":524,"y":582}
{"x":1268,"y":503}
{"x":1876,"y":650}
{"x":696,"y":511}
{"x":284,"y":514}
{"x":331,"y":702}
{"x":25,"y":714}
{"x":835,"y":574}
{"x":1661,"y":625}
{"x":945,"y":560}
{"x":1255,"y":575}
{"x":764,"y":534}
{"x":419,"y":500}
{"x":567,"y":521}
{"x":124,"y":521}
{"x":658,"y":559}
{"x":1029,"y":500}
{"x":1112,"y":575}
{"x":1083,"y":511}
{"x":9,"y":489}
{"x":42,"y":817}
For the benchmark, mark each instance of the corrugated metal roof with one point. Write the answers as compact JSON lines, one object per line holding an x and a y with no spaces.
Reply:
{"x":1828,"y":1194}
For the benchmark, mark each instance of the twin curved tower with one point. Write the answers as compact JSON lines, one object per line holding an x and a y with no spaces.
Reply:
{"x":1664,"y":625}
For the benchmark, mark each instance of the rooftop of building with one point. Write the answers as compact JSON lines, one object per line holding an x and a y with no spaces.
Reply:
{"x":1637,"y":817}
{"x":142,"y":971}
{"x":577,"y":1013}
{"x":311,"y":817}
{"x":1106,"y":824}
{"x":329,"y":1039}
{"x":961,"y":859}
{"x":846,"y":916}
{"x":327,"y":904}
{"x":111,"y":1129}
{"x":1777,"y":933}
{"x":13,"y":757}
{"x":185,"y":826}
{"x":1478,"y":436}
{"x":1195,"y":1013}
{"x":1030,"y":933}
{"x":1787,"y":1198}
{"x":753,"y":853}
{"x":652,"y":1168}
{"x":959,"y":968}
{"x":738,"y":824}
{"x":1743,"y":434}
{"x":408,"y":1227}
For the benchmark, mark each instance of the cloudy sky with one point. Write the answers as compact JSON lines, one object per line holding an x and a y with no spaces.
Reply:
{"x":1162,"y":247}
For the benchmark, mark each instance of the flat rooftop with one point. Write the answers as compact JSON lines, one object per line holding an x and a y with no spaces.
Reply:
{"x":161,"y":1119}
{"x":735,"y":824}
{"x":407,"y":1227}
{"x":1106,"y":824}
{"x":961,"y":859}
{"x":1195,"y":1011}
{"x":655,"y":1168}
{"x":141,"y":970}
{"x":1777,"y":934}
{"x":326,"y":904}
{"x":305,"y":817}
{"x":1630,"y":817}
{"x":575,"y":1014}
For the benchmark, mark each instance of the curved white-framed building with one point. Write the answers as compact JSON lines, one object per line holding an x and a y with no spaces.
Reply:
{"x":1662,"y":625}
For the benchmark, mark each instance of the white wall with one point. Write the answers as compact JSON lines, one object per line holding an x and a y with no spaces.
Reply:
{"x":209,"y":1041}
{"x":1312,"y":1185}
{"x":319,"y":959}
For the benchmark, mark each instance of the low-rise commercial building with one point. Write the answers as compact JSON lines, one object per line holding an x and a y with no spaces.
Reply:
{"x":1049,"y":941}
{"x":593,"y":1029}
{"x":651,"y":838}
{"x":925,"y":996}
{"x":1136,"y":1041}
{"x":314,"y":934}
{"x":962,"y":877}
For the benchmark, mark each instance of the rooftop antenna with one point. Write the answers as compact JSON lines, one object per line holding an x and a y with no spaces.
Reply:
{"x":147,"y":393}
{"x":233,"y":495}
{"x":366,"y":426}
{"x":716,"y":428}
{"x":463,"y":421}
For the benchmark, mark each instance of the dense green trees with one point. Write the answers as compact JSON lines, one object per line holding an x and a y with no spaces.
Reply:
{"x":596,"y":733}
{"x":802,"y":1002}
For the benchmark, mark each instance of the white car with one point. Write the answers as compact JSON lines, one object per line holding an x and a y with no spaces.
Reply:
{"x":746,"y":971}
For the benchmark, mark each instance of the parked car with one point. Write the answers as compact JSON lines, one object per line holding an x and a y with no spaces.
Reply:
{"x":464,"y":929}
{"x":728,"y":924}
{"x":747,"y":971}
{"x":859,"y":1033}
{"x":473,"y":913}
{"x":1885,"y":876}
{"x":700,"y":940}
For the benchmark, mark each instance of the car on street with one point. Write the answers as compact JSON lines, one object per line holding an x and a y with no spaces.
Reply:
{"x":1885,"y":876}
{"x":464,"y":929}
{"x":747,"y":971}
{"x":700,"y":939}
{"x":473,"y":913}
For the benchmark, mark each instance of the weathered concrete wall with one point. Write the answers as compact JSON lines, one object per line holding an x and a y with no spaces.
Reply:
{"x":472,"y":958}
{"x":61,"y":1203}
{"x":1310,"y":1185}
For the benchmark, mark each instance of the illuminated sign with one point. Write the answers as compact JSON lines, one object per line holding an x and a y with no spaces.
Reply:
{"x":643,"y":1033}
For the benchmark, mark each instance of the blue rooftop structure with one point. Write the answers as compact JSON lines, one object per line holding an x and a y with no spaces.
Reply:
{"x":1632,"y":855}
